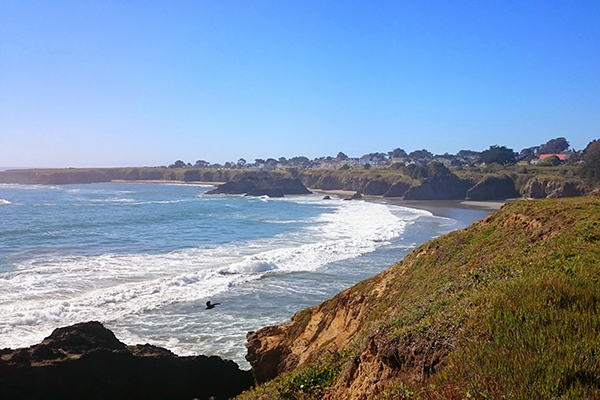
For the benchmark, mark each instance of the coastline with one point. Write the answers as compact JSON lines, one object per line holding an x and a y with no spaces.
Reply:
{"x":169,"y":182}
{"x":464,"y":211}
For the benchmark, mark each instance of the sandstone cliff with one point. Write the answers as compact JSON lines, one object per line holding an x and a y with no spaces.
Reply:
{"x":86,"y":361}
{"x":552,"y":188}
{"x":390,"y":184}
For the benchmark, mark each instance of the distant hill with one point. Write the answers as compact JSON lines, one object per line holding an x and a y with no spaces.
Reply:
{"x":7,"y":168}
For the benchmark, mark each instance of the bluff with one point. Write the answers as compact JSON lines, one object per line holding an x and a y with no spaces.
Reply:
{"x":96,"y":175}
{"x":388,"y":183}
{"x":87,"y":361}
{"x":506,"y":308}
{"x":262,"y":186}
{"x":538,"y":188}
{"x":492,"y":188}
{"x":424,"y":182}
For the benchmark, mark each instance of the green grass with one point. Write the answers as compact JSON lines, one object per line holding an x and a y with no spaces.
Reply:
{"x":308,"y":383}
{"x":515,"y":300}
{"x":523,"y":307}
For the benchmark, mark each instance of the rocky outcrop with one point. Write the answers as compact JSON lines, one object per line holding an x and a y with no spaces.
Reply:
{"x":256,"y":186}
{"x":493,"y":188}
{"x":337,"y":324}
{"x":448,"y":187}
{"x":330,"y":326}
{"x":397,"y":190}
{"x":87,"y":361}
{"x":376,"y":188}
{"x":372,"y":184}
{"x":545,"y":188}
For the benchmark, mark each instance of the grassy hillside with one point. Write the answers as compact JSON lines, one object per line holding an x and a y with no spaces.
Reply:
{"x":506,"y":308}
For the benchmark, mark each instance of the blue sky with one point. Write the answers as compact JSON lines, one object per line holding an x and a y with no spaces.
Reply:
{"x":132,"y":83}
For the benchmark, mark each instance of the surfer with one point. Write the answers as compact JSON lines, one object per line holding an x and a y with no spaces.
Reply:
{"x":210,"y":305}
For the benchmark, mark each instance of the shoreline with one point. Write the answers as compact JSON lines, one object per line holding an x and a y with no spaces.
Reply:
{"x":170,"y":182}
{"x":464,"y":211}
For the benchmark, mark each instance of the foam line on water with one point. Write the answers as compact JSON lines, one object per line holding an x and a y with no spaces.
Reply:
{"x":40,"y":295}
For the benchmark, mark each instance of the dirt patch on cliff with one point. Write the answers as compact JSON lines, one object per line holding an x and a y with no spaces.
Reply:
{"x":524,"y":221}
{"x":384,"y":361}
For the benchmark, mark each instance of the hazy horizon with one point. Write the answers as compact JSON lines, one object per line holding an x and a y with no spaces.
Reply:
{"x":102,"y":84}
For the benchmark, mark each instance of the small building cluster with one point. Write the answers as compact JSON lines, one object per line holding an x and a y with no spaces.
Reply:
{"x":554,"y":152}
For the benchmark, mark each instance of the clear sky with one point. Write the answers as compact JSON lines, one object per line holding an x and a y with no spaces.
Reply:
{"x":133,"y":83}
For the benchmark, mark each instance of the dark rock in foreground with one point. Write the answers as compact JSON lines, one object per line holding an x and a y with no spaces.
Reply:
{"x":87,"y":361}
{"x":262,"y":186}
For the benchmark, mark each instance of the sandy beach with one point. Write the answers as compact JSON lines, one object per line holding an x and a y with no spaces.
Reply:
{"x":464,"y":211}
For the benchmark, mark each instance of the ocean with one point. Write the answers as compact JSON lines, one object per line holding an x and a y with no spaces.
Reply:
{"x":144,"y":258}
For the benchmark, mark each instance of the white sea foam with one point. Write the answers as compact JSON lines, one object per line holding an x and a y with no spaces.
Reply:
{"x":42,"y":294}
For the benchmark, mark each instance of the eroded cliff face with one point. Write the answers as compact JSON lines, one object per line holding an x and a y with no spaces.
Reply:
{"x":492,"y":188}
{"x":348,"y":321}
{"x":551,"y":188}
{"x":448,"y":187}
{"x":370,"y":184}
{"x":331,"y":326}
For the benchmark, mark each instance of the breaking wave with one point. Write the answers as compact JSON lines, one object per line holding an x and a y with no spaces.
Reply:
{"x":39,"y":295}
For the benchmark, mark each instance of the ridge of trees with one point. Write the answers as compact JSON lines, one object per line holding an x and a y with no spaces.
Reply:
{"x":494,"y":154}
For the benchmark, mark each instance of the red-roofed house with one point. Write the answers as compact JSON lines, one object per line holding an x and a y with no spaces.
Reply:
{"x":561,"y":157}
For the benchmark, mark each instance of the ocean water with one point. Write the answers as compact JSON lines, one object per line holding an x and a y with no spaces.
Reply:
{"x":144,"y":259}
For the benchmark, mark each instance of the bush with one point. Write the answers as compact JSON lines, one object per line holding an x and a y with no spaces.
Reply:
{"x":310,"y":384}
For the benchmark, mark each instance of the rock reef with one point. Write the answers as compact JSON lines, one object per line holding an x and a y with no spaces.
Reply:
{"x":87,"y":361}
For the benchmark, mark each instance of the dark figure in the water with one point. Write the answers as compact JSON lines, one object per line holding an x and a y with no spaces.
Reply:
{"x":210,"y":305}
